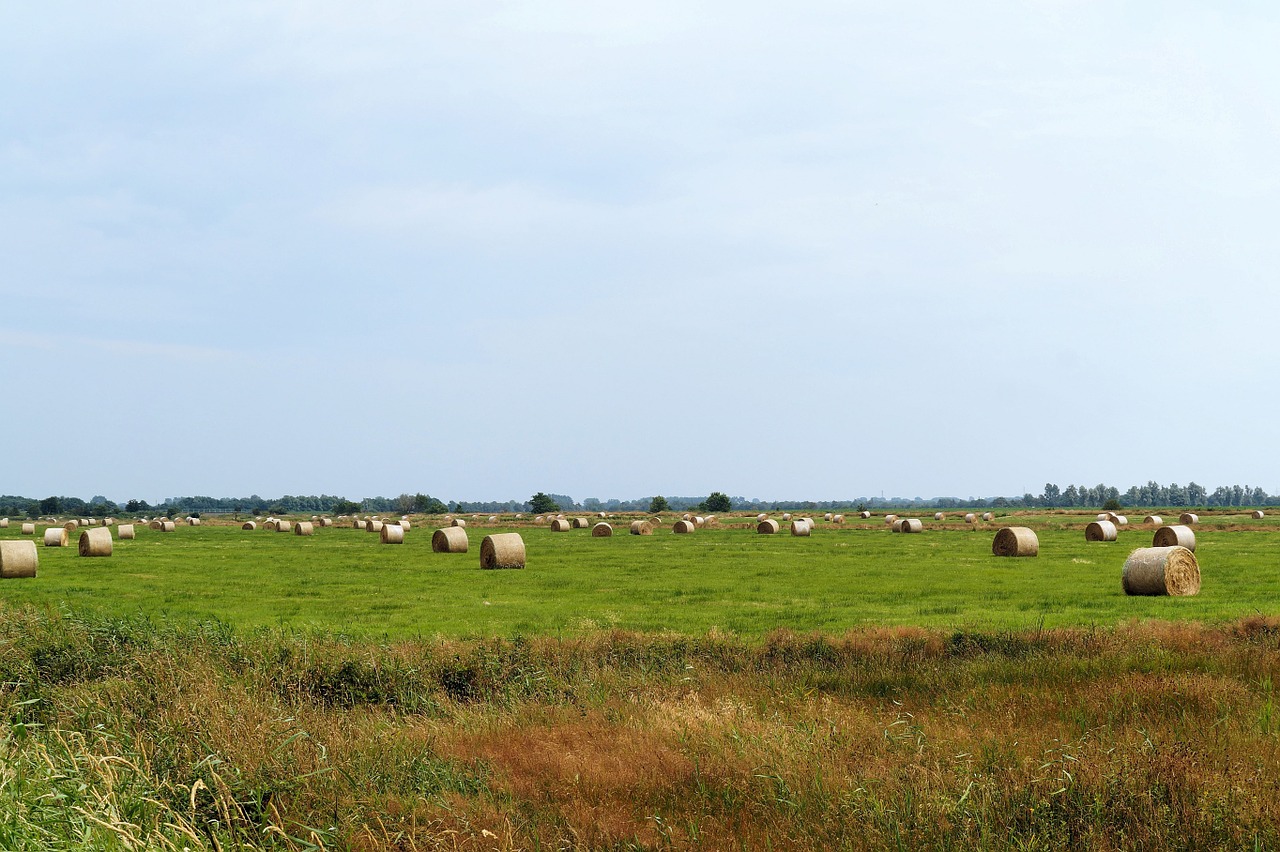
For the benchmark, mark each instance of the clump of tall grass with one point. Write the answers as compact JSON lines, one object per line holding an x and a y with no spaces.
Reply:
{"x":141,"y":734}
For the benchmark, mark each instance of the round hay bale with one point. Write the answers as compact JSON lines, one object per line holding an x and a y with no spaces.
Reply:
{"x":641,"y":528}
{"x":374,"y":526}
{"x":95,"y":542}
{"x":538,"y":519}
{"x":801,"y":527}
{"x":601,"y":530}
{"x":108,"y":522}
{"x":18,"y":559}
{"x":458,"y":522}
{"x":29,"y":529}
{"x":450,"y":540}
{"x":864,"y":515}
{"x":356,"y":524}
{"x":989,"y":516}
{"x":1121,"y":520}
{"x":837,"y":519}
{"x":767,"y":527}
{"x":502,"y":550}
{"x":56,"y":537}
{"x":1105,"y":516}
{"x":284,"y":526}
{"x":1154,"y":520}
{"x":249,"y":525}
{"x":889,"y":519}
{"x":598,"y":515}
{"x":270,"y":524}
{"x":912,"y":525}
{"x":156,"y":524}
{"x":787,"y":516}
{"x":938,"y":516}
{"x":827,"y":517}
{"x":125,"y":531}
{"x":304,"y":528}
{"x":560,"y":525}
{"x":970,"y":518}
{"x":4,"y":523}
{"x":579,"y":523}
{"x":686,"y":517}
{"x":391,"y":534}
{"x":896,"y":526}
{"x":699,"y":521}
{"x":1188,"y":518}
{"x":193,"y":522}
{"x":1015,"y":541}
{"x":405,"y":525}
{"x":1258,"y":514}
{"x":71,"y":526}
{"x":1176,"y":535}
{"x":1100,"y":531}
{"x":166,"y":526}
{"x":493,"y":519}
{"x":683,"y":527}
{"x":759,"y":517}
{"x":326,"y":522}
{"x":1161,"y":571}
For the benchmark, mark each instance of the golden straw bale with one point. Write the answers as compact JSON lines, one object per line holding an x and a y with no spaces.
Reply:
{"x":1154,"y":520}
{"x":125,"y":531}
{"x":374,"y":526}
{"x":4,"y":523}
{"x":391,"y":534}
{"x":938,"y":516}
{"x":970,"y":518}
{"x":71,"y":526}
{"x":561,"y":525}
{"x":1177,"y":535}
{"x":249,"y":525}
{"x":683,"y":527}
{"x":801,"y":527}
{"x":167,"y":526}
{"x":1161,"y":571}
{"x":29,"y":529}
{"x":284,"y":526}
{"x":458,"y":522}
{"x":18,"y":558}
{"x":912,"y":525}
{"x":1258,"y":514}
{"x":56,"y":537}
{"x":304,"y":528}
{"x":767,"y":527}
{"x":450,"y":540}
{"x":601,"y":530}
{"x":889,"y":519}
{"x":896,"y":526}
{"x":837,"y":519}
{"x":641,"y":528}
{"x":502,"y":550}
{"x":828,"y":516}
{"x":864,"y":514}
{"x":988,"y":516}
{"x":1100,"y":531}
{"x":580,"y":523}
{"x":95,"y":542}
{"x":1015,"y":541}
{"x":1188,"y":518}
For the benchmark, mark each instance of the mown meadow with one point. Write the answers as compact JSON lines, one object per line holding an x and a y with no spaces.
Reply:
{"x":218,"y":689}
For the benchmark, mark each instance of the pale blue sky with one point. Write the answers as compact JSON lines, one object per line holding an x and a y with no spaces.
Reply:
{"x":612,"y":250}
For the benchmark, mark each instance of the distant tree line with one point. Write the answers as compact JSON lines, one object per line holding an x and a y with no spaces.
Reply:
{"x":1052,"y":497}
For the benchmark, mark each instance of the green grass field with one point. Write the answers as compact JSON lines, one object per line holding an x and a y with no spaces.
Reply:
{"x":728,"y":579}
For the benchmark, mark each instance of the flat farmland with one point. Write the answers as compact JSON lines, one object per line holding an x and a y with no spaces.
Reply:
{"x":725,"y":578}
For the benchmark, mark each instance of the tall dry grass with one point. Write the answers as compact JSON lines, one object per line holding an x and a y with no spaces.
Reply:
{"x":135,"y":734}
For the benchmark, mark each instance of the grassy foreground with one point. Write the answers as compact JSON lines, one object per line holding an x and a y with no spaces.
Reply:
{"x":727,"y":579}
{"x":134,"y":734}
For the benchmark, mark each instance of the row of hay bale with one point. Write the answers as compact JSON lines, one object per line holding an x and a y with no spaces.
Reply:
{"x":1166,"y":536}
{"x":1168,"y":567}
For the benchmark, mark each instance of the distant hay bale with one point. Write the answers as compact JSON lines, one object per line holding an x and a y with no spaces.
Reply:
{"x":686,"y":517}
{"x":4,"y":523}
{"x":601,"y":530}
{"x":1258,"y":514}
{"x":912,"y":525}
{"x":1100,"y":531}
{"x":304,"y":528}
{"x":29,"y":529}
{"x":641,"y":528}
{"x":827,"y":517}
{"x":787,"y":516}
{"x":938,"y":516}
{"x":193,"y":522}
{"x":579,"y":523}
{"x":450,"y":540}
{"x":167,"y":526}
{"x":356,"y":524}
{"x":1154,"y":520}
{"x":156,"y":524}
{"x":108,"y":522}
{"x":56,"y":537}
{"x":18,"y":559}
{"x":889,"y":519}
{"x":326,"y":522}
{"x":1103,"y":516}
{"x":1121,"y":520}
{"x":864,"y":515}
{"x":391,"y":534}
{"x":988,"y":516}
{"x":767,"y":527}
{"x":683,"y":527}
{"x":837,"y":519}
{"x":95,"y":542}
{"x":458,"y":522}
{"x":125,"y":531}
{"x":405,"y":525}
{"x":896,"y":526}
{"x":970,"y":518}
{"x":1188,"y":518}
{"x":759,"y":517}
{"x":560,"y":525}
{"x":801,"y":527}
{"x":374,"y":526}
{"x":538,"y":519}
{"x":699,"y":521}
{"x":598,"y":515}
{"x":1161,"y":571}
{"x":502,"y":550}
{"x":71,"y":526}
{"x":270,"y":525}
{"x":1176,"y":535}
{"x":493,"y":519}
{"x":1015,"y":541}
{"x":284,"y":526}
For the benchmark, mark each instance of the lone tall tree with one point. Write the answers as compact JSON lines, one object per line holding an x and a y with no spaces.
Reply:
{"x":658,"y":504}
{"x":542,"y":503}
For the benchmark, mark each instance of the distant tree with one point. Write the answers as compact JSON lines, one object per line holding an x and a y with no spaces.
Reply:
{"x":542,"y":503}
{"x":425,"y":504}
{"x":50,"y":506}
{"x":1112,"y":505}
{"x":716,"y":502}
{"x":342,"y":507}
{"x":658,"y":504}
{"x":404,"y":503}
